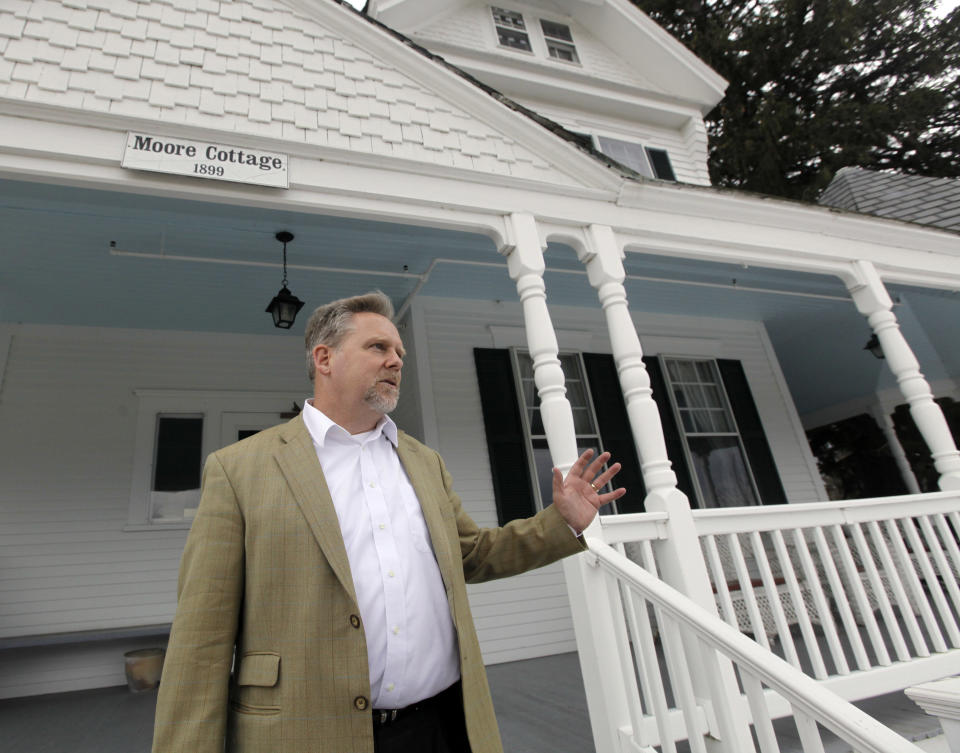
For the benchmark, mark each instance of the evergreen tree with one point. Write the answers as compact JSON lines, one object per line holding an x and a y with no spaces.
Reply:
{"x":816,"y":85}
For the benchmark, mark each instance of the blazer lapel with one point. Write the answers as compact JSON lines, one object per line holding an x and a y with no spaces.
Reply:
{"x":301,"y":468}
{"x":425,"y":481}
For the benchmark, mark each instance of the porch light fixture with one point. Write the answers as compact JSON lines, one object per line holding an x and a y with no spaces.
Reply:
{"x":285,"y":305}
{"x":873,"y":345}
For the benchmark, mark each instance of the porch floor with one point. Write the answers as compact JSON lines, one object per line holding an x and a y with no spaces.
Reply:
{"x":540,"y":703}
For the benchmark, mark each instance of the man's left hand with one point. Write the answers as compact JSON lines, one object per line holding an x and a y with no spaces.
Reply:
{"x":578,"y":496}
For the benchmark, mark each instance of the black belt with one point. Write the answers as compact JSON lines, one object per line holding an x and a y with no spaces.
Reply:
{"x":388,"y":716}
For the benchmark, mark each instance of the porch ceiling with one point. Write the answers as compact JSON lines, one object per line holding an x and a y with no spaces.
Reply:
{"x":83,"y":257}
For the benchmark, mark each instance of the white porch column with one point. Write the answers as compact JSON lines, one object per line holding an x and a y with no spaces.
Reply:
{"x":597,"y":617}
{"x":526,"y":266}
{"x":873,"y":301}
{"x":679,"y":556}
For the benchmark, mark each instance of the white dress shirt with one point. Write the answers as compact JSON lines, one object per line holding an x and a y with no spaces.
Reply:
{"x":411,"y":641}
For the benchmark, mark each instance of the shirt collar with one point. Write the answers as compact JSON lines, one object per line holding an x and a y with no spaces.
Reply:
{"x":319,"y":425}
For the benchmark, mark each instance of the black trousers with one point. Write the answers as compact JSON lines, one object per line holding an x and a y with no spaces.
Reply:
{"x":432,"y":726}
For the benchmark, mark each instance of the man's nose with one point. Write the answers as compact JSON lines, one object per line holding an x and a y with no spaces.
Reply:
{"x":395,"y":361}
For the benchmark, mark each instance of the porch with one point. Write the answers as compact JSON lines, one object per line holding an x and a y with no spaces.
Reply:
{"x":536,"y":713}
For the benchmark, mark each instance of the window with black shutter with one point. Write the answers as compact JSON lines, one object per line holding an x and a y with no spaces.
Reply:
{"x":711,"y":429}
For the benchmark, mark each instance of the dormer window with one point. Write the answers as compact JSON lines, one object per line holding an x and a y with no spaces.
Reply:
{"x":559,"y":41}
{"x":553,"y":40}
{"x":511,"y":31}
{"x":648,"y":161}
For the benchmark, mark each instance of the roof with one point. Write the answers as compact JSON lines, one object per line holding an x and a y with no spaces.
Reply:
{"x":914,"y":198}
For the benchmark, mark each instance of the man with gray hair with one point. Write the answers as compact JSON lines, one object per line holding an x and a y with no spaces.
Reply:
{"x":328,"y":564}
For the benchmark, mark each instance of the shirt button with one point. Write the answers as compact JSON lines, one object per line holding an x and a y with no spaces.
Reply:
{"x":396,"y":630}
{"x":382,"y":526}
{"x":373,"y":485}
{"x":360,"y":703}
{"x":390,"y":687}
{"x":354,"y":620}
{"x":390,"y":573}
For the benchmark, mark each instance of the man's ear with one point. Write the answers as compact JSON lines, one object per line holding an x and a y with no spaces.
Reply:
{"x":321,"y":359}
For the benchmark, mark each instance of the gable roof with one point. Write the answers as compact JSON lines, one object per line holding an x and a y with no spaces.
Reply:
{"x":309,"y":72}
{"x":660,"y":59}
{"x":914,"y":198}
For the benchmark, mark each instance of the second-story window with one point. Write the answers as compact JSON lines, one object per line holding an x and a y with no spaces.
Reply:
{"x":511,"y":31}
{"x":648,"y":161}
{"x":559,"y":41}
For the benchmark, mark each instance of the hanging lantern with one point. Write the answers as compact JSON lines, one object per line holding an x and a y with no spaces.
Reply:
{"x":285,"y":305}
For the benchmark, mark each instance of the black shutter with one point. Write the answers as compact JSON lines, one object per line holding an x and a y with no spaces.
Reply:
{"x":506,"y":445}
{"x":614,"y":428}
{"x":671,"y":432}
{"x":751,"y":432}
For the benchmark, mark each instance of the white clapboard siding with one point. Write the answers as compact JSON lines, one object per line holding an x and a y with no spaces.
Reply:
{"x":67,"y":419}
{"x":472,"y":28}
{"x":528,"y":615}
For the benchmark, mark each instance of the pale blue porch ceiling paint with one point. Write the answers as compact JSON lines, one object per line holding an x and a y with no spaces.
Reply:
{"x":57,"y":269}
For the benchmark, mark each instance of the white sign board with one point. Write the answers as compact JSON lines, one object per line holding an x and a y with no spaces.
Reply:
{"x":200,"y":159}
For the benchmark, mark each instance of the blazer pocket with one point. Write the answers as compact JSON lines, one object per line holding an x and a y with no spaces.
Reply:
{"x":259,"y":669}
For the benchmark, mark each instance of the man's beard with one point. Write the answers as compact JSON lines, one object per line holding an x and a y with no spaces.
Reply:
{"x":381,"y":402}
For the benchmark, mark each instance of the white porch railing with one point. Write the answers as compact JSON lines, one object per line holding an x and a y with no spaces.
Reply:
{"x":857,"y":598}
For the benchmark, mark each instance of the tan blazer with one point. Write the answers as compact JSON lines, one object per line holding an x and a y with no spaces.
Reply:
{"x":265,"y":570}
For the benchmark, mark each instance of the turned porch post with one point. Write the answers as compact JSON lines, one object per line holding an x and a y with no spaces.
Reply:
{"x":679,"y":556}
{"x":598,"y":619}
{"x":526,"y":266}
{"x":872,"y":300}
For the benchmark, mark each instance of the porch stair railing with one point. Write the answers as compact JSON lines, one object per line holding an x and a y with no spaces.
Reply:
{"x":819,"y":603}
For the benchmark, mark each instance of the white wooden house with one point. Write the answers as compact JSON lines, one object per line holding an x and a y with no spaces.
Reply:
{"x":528,"y":183}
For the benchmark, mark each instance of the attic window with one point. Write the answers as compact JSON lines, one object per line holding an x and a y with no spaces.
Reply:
{"x":648,"y":161}
{"x":511,"y":31}
{"x":559,"y":41}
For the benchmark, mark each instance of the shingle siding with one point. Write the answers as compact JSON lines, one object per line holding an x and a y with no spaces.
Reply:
{"x":241,"y":67}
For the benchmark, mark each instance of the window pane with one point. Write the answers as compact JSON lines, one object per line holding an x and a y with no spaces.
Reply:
{"x":705,"y":371}
{"x":576,"y":394}
{"x":525,"y":362}
{"x":581,"y":421}
{"x":721,"y":471}
{"x":626,"y":153}
{"x":508,"y":18}
{"x":530,"y":397}
{"x":536,"y":422}
{"x":555,"y":30}
{"x":177,"y":455}
{"x":562,"y":51}
{"x":516,"y":39}
{"x":544,"y":467}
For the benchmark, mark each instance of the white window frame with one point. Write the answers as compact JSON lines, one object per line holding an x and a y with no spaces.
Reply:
{"x":529,"y":437}
{"x":731,"y":417}
{"x":539,"y":45}
{"x":646,"y":167}
{"x":221,"y":412}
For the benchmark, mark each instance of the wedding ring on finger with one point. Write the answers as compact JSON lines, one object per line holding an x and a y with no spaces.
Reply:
{"x":595,"y":487}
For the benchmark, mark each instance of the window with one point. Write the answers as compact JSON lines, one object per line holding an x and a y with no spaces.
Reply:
{"x":559,"y":41}
{"x":176,"y":430}
{"x":555,"y":40}
{"x":648,"y":161}
{"x":177,"y":456}
{"x":721,"y":473}
{"x":511,"y":31}
{"x":712,"y":431}
{"x":584,"y":423}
